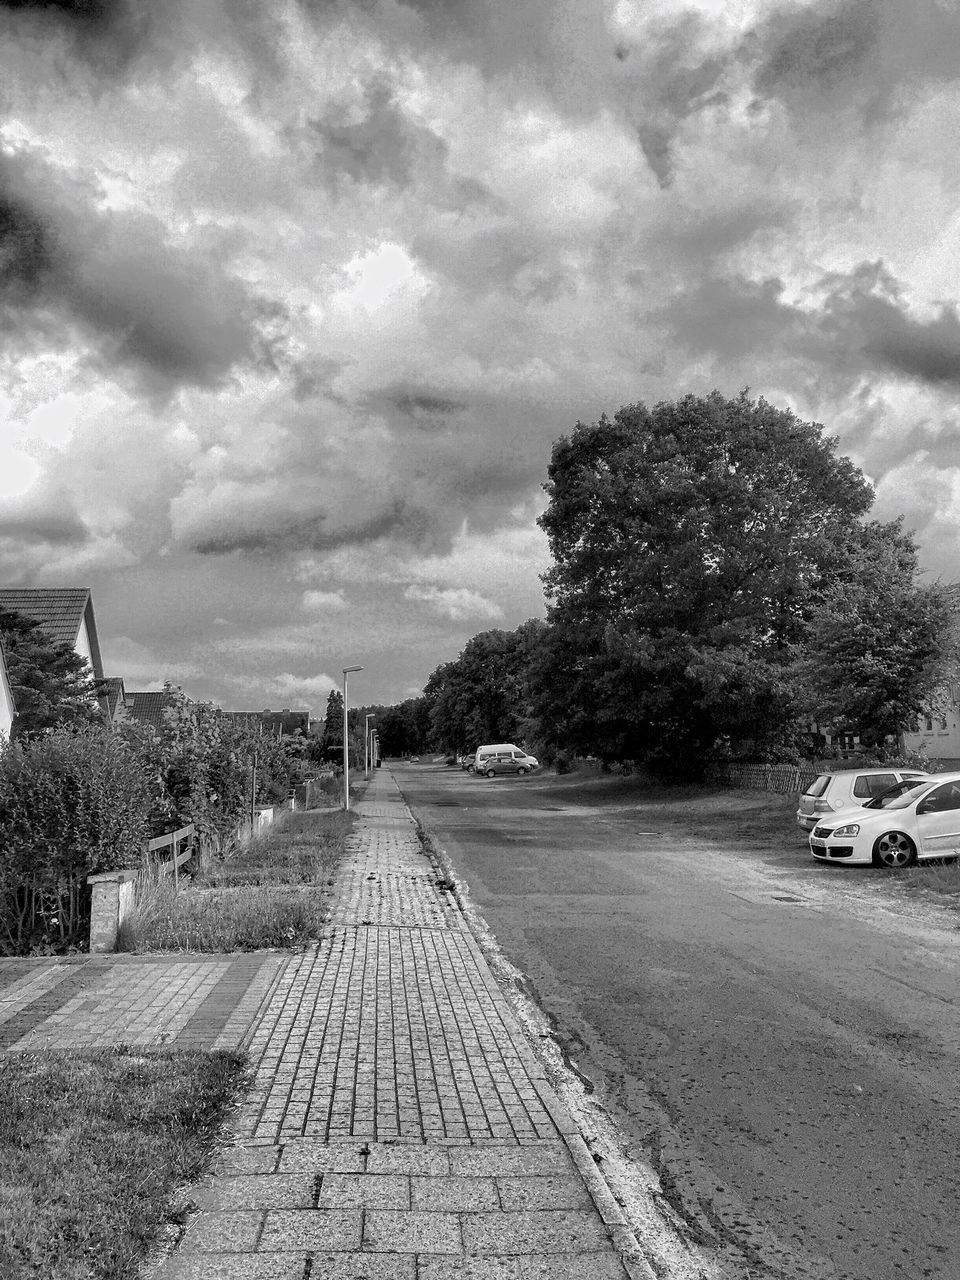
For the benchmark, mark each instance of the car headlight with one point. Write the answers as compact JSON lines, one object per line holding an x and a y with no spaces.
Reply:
{"x":853,"y":829}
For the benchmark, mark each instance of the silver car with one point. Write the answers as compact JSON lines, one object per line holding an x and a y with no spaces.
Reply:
{"x":509,"y":762}
{"x":847,"y":789}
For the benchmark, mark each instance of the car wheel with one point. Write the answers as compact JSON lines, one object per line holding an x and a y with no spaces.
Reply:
{"x":521,"y":771}
{"x":491,"y":773}
{"x":894,"y":849}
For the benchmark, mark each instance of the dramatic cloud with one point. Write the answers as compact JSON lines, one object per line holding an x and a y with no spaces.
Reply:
{"x":295,"y":298}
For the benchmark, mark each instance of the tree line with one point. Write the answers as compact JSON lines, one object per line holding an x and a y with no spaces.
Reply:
{"x":718,"y":590}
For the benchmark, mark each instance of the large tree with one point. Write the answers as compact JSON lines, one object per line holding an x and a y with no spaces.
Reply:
{"x":51,"y":684}
{"x":691,"y":543}
{"x":881,"y":642}
{"x":484,"y":696}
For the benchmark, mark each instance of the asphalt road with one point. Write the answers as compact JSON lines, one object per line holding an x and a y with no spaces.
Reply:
{"x":779,"y":1039}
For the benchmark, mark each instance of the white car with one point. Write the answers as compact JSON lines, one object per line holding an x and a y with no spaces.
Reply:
{"x":895,"y":831}
{"x":830,"y":793}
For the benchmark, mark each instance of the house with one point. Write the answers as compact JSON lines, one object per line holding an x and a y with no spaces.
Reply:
{"x":64,"y":613}
{"x":8,"y":708}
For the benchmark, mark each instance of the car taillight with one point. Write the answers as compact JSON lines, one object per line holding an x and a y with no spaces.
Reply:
{"x":822,"y":806}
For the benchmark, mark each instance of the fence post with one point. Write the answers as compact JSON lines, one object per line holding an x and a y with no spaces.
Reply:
{"x":112,"y":899}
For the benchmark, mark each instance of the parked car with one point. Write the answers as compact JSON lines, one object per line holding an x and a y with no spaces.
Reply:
{"x":508,"y":762}
{"x":846,"y":789}
{"x":494,"y":749}
{"x":467,"y":761}
{"x":921,"y":823}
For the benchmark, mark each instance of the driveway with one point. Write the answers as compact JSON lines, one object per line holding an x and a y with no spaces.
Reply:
{"x":779,"y":1039}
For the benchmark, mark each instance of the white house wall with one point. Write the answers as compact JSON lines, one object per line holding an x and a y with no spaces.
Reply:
{"x":83,"y":646}
{"x":6,"y":703}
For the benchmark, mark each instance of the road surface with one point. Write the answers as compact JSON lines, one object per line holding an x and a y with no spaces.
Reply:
{"x":780,"y":1040}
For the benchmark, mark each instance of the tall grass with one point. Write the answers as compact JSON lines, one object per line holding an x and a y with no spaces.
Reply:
{"x":271,"y":892}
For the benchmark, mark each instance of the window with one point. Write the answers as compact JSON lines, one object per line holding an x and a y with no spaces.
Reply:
{"x":943,"y":799}
{"x":928,"y":724}
{"x":872,"y":784}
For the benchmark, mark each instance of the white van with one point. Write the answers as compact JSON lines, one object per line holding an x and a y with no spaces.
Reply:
{"x":519,"y":760}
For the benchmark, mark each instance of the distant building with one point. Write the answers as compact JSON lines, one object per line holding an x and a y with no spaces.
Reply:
{"x":64,"y":613}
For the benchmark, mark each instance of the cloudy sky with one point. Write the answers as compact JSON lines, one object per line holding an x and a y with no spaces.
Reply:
{"x":295,"y":295}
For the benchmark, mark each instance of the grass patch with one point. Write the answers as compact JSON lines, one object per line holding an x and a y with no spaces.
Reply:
{"x":935,"y":879}
{"x":300,"y":848}
{"x":93,"y":1145}
{"x":269,"y":893}
{"x":246,"y":918}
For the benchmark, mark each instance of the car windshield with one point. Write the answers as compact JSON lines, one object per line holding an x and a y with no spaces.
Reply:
{"x":885,"y":800}
{"x":908,"y":797}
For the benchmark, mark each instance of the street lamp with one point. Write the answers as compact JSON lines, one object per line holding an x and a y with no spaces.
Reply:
{"x":366,"y":742}
{"x":346,"y":746}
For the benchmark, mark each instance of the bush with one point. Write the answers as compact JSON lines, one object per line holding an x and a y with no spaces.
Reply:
{"x":72,"y":803}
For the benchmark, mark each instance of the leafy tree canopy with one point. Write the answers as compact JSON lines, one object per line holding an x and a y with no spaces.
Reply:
{"x":880,"y":643}
{"x":691,"y":542}
{"x":484,"y":696}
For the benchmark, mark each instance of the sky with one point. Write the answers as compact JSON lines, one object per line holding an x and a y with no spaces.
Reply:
{"x":296,"y":296}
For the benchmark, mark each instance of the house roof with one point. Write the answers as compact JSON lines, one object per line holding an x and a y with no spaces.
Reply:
{"x":147,"y":708}
{"x":61,"y":611}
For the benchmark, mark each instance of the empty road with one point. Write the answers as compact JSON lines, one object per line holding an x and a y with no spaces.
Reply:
{"x":778,"y":1039}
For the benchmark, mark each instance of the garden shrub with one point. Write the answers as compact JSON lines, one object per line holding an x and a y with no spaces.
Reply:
{"x":73,"y":802}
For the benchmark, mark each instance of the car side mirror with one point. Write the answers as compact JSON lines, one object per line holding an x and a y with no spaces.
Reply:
{"x":926,"y":806}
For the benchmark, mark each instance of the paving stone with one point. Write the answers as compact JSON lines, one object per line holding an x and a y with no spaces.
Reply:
{"x":418,"y":1159}
{"x":364,"y":1191}
{"x":495,"y":1161}
{"x":316,"y":1156}
{"x":537,"y":1231}
{"x":454,"y":1195}
{"x":258,"y":1191}
{"x":222,"y":1232}
{"x":233,"y":1266}
{"x":396,"y":1231}
{"x":299,"y":1229}
{"x":568,"y":1266}
{"x":364,"y":1266}
{"x":546,"y":1191}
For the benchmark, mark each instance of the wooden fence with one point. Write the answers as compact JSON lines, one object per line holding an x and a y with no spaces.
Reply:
{"x":786,"y":779}
{"x":114,"y":892}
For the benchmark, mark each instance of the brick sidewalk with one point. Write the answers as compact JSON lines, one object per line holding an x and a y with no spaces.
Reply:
{"x":399,"y":1126}
{"x":92,"y":1002}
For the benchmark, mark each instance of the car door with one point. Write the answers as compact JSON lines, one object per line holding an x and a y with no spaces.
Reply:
{"x":938,"y":820}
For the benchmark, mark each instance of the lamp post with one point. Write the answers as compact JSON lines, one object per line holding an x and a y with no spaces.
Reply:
{"x":366,"y":743}
{"x":346,"y":745}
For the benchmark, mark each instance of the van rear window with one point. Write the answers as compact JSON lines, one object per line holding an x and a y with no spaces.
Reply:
{"x":819,"y":787}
